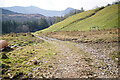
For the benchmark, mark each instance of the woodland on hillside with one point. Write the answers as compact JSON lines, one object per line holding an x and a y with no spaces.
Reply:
{"x":17,"y":26}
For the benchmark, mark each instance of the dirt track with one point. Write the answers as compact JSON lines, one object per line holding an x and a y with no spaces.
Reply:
{"x":83,"y":60}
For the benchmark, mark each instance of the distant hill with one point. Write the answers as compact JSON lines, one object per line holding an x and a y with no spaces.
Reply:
{"x":36,"y":10}
{"x":10,"y":15}
{"x":4,"y":11}
{"x":104,"y":17}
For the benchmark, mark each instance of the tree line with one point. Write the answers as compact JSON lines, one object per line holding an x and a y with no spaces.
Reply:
{"x":33,"y":25}
{"x":72,"y":12}
{"x":26,"y":26}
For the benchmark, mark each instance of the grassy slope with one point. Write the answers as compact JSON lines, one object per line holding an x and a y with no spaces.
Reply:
{"x":105,"y":18}
{"x":28,"y":48}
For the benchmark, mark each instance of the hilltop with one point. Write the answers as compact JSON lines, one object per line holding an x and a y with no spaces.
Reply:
{"x":103,"y":17}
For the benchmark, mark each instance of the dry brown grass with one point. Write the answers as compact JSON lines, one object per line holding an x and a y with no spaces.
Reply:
{"x":106,"y":35}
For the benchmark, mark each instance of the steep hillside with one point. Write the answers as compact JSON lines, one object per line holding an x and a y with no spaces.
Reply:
{"x":102,"y":17}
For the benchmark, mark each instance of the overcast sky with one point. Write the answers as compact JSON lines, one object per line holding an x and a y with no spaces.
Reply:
{"x":56,"y":4}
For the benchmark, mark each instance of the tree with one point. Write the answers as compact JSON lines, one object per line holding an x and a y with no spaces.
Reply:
{"x":43,"y":23}
{"x":82,"y":10}
{"x":9,"y":26}
{"x":116,"y":2}
{"x":72,"y":12}
{"x":66,"y":16}
{"x":26,"y":26}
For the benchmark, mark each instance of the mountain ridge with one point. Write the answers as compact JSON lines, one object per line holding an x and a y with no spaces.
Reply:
{"x":20,"y":17}
{"x":37,"y":10}
{"x":4,"y":11}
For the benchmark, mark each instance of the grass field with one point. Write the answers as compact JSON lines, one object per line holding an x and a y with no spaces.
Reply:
{"x":104,"y":18}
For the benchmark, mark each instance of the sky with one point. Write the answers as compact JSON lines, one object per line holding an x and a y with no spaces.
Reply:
{"x":56,"y":4}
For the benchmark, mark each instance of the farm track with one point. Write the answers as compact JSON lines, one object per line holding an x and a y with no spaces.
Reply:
{"x":83,"y":60}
